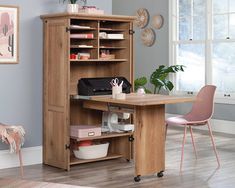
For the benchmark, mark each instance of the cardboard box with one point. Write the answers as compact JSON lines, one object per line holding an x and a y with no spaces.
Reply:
{"x":83,"y":131}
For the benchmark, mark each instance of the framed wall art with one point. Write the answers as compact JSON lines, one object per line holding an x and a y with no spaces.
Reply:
{"x":9,"y":34}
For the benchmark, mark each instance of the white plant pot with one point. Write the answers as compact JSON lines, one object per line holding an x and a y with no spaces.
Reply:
{"x":72,"y":8}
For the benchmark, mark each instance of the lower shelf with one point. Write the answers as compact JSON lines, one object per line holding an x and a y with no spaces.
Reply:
{"x":74,"y":160}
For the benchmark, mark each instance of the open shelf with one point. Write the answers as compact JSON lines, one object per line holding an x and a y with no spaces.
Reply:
{"x":105,"y":135}
{"x":82,"y":47}
{"x":82,"y":29}
{"x":85,"y":38}
{"x":112,"y":48}
{"x":112,"y":39}
{"x":74,"y":160}
{"x":98,"y":60}
{"x":110,"y":29}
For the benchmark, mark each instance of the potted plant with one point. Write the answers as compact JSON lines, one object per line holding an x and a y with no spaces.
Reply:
{"x":159,"y":78}
{"x":72,"y":6}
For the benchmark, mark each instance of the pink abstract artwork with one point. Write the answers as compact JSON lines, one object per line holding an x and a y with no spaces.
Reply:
{"x":8,"y":34}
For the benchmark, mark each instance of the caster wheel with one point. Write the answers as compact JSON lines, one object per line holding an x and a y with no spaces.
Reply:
{"x":160,"y":174}
{"x":137,"y":178}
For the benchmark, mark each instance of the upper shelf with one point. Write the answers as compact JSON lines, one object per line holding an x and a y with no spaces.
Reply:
{"x":112,"y":30}
{"x":98,"y":60}
{"x":82,"y":29}
{"x":112,"y":39}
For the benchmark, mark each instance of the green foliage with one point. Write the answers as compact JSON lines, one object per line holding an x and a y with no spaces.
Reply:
{"x":141,"y":82}
{"x":159,"y":78}
{"x":71,"y":1}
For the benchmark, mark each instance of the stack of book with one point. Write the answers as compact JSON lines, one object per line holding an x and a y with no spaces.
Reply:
{"x":82,"y":36}
{"x":79,"y":27}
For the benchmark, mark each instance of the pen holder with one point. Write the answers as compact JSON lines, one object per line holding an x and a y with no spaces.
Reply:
{"x":116,"y":90}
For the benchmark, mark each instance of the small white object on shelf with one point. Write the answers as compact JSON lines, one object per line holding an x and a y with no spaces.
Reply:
{"x":72,"y":8}
{"x":85,"y":46}
{"x":125,"y":127}
{"x":90,"y":10}
{"x":92,"y":152}
{"x":115,"y":36}
{"x":79,"y":27}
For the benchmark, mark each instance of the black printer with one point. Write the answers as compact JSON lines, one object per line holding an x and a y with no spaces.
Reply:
{"x":101,"y":86}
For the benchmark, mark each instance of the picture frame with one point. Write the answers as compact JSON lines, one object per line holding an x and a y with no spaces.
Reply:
{"x":9,"y":34}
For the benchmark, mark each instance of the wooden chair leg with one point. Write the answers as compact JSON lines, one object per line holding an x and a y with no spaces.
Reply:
{"x":182,"y":151}
{"x":194,"y":146}
{"x":213,"y":143}
{"x":21,"y":164}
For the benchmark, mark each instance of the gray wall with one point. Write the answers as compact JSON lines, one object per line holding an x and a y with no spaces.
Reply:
{"x":148,"y":58}
{"x":21,"y":84}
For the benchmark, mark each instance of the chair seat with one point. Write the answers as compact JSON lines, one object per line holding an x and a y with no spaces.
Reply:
{"x":181,"y":120}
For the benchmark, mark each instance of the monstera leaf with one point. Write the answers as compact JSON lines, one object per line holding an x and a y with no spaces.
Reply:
{"x":159,"y":77}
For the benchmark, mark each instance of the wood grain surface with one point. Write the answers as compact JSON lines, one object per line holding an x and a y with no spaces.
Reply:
{"x":143,"y":100}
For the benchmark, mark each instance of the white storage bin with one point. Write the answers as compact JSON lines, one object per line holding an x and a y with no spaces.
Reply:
{"x":92,"y":152}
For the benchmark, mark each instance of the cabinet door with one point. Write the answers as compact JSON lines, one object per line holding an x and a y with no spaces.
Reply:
{"x":56,"y":97}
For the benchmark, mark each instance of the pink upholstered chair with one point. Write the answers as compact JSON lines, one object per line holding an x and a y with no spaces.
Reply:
{"x":14,"y":136}
{"x":200,"y":114}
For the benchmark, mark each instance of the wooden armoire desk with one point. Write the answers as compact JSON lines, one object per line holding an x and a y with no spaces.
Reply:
{"x":73,"y":48}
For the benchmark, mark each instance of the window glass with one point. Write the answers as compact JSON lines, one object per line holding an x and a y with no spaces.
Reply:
{"x":220,"y":26}
{"x":220,"y":6}
{"x":184,"y":28}
{"x":224,"y":67}
{"x":193,"y":57}
{"x":199,"y":28}
{"x":199,"y":8}
{"x":232,"y":6}
{"x":184,"y":8}
{"x":232,"y":26}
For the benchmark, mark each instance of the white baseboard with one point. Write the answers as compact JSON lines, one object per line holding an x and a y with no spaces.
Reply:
{"x":31,"y":155}
{"x":217,"y":125}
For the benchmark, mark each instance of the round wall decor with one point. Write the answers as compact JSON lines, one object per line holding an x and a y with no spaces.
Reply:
{"x":157,"y":21}
{"x":148,"y":36}
{"x":142,"y":19}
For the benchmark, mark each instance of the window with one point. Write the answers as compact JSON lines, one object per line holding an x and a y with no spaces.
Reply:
{"x":202,"y":37}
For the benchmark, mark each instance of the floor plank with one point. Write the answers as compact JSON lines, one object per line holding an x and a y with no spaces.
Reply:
{"x":118,"y":173}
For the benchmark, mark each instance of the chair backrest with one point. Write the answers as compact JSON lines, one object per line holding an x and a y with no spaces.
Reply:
{"x":203,"y":107}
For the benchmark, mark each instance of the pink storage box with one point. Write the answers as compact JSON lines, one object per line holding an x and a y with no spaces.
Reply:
{"x":83,"y":131}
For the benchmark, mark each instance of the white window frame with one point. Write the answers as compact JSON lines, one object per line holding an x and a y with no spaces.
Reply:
{"x":219,"y":97}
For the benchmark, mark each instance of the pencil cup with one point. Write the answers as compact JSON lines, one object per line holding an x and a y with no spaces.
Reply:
{"x":116,"y":90}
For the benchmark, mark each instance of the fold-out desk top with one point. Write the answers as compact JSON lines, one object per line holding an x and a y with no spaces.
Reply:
{"x":143,"y":100}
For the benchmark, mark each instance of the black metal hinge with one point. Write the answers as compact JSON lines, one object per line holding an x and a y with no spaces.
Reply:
{"x":67,"y":29}
{"x":131,"y":32}
{"x":67,"y":146}
{"x":131,"y":138}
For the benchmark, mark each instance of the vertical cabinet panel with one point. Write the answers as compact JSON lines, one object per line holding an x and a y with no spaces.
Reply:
{"x":56,"y":97}
{"x":57,"y":63}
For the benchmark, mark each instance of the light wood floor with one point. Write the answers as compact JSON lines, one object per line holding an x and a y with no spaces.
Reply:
{"x":119,"y":173}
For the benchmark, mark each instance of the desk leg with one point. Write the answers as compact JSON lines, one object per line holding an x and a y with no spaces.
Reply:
{"x":149,"y":144}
